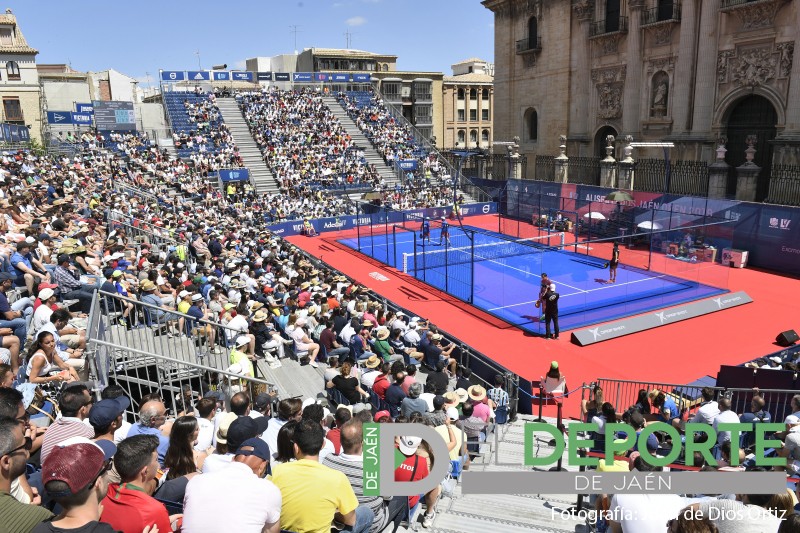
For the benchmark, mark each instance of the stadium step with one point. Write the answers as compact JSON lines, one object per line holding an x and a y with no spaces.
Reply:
{"x":370,"y":153}
{"x":261,"y":176}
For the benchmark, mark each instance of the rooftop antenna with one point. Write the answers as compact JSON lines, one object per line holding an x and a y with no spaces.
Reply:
{"x":199,"y":65}
{"x":348,"y":35}
{"x":295,"y":31}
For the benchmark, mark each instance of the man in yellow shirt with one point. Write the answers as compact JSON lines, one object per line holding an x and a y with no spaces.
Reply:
{"x":241,"y":358}
{"x":315,"y":495}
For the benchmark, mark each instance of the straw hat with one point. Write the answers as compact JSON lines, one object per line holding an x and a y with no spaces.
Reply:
{"x":305,"y":285}
{"x":383,"y":334}
{"x":462,"y":395}
{"x":367,"y":324}
{"x":147,"y":285}
{"x":373,"y":362}
{"x":260,"y":316}
{"x":476,"y":393}
{"x":255,"y":305}
{"x":452,"y":399}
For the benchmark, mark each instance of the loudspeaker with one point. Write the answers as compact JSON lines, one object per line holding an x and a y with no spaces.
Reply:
{"x":787,"y":338}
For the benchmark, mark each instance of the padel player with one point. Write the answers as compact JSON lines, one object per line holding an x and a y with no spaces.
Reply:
{"x":612,"y":265}
{"x":445,"y":232}
{"x":542,"y":302}
{"x":426,"y":230}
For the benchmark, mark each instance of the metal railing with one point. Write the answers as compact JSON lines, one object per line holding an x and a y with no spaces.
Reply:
{"x":784,"y":185}
{"x":662,"y":13}
{"x":140,"y":235}
{"x":160,"y":350}
{"x":602,"y":27}
{"x":728,"y":4}
{"x":423,"y":97}
{"x":624,"y":394}
{"x":545,"y":167}
{"x":530,"y":44}
{"x":686,"y":177}
{"x":584,"y":170}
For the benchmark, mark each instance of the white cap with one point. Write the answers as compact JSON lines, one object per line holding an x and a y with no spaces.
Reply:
{"x":452,"y":413}
{"x":552,"y":286}
{"x":242,"y":340}
{"x":409,"y":445}
{"x":46,"y":294}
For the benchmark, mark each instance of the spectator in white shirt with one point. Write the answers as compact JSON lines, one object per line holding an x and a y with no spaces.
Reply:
{"x":725,"y":416}
{"x":708,"y":410}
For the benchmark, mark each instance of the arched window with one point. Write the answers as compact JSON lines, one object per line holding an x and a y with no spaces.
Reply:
{"x":473,"y":137}
{"x":462,"y":137}
{"x":473,"y":94}
{"x":485,"y":136}
{"x":12,"y":70}
{"x":461,"y":94}
{"x":485,"y":94}
{"x":612,"y":15}
{"x":533,"y":32}
{"x":385,"y":67}
{"x":531,"y":125}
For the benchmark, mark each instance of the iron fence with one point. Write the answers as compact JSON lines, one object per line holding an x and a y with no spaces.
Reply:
{"x":784,"y":185}
{"x":584,"y":170}
{"x":685,"y":177}
{"x":545,"y":168}
{"x":145,"y":349}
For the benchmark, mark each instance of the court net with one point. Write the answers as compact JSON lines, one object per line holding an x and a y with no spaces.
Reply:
{"x":490,"y":251}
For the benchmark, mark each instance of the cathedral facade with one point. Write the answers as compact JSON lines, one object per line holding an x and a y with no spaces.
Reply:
{"x":697,"y":73}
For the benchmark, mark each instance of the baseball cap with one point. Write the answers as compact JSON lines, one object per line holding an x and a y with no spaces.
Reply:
{"x":44,"y":285}
{"x":77,"y":462}
{"x":438,"y":402}
{"x":183,"y":294}
{"x":452,"y":413}
{"x":409,"y":445}
{"x":197,"y":297}
{"x":382,"y":414}
{"x":255,"y":447}
{"x":262,"y":400}
{"x":106,"y":411}
{"x":46,"y":294}
{"x":244,"y":428}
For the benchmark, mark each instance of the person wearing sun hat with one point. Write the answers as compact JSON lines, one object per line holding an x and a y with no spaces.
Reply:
{"x":477,"y":397}
{"x":241,"y":357}
{"x":267,"y":339}
{"x":382,"y":347}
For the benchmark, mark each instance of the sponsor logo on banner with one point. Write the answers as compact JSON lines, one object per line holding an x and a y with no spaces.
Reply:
{"x":338,"y":223}
{"x":297,"y":227}
{"x":779,"y":223}
{"x":378,"y":276}
{"x":663,"y":316}
{"x":487,"y":208}
{"x":278,"y":231}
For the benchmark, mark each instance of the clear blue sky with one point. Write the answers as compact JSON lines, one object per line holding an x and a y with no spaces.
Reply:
{"x":145,"y":36}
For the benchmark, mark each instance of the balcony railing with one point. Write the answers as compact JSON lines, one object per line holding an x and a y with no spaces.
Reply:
{"x":423,"y":97}
{"x":531,"y":44}
{"x":602,"y":27}
{"x":393,"y":97}
{"x":662,"y":13}
{"x":727,"y":4}
{"x":423,"y":121}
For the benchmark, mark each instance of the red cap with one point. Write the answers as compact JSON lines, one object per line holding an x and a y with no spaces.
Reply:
{"x":76,"y":465}
{"x":44,"y":285}
{"x":382,"y":414}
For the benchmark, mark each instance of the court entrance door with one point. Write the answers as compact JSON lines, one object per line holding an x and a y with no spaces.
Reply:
{"x":752,"y":115}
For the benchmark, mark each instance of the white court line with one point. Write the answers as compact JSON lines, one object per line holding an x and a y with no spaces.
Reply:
{"x":583,"y":291}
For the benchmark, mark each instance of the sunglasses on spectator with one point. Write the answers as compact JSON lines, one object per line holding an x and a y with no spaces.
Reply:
{"x":27,"y":445}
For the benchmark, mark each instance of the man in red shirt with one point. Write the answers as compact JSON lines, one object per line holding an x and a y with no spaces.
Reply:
{"x":415,"y":468}
{"x":382,"y":381}
{"x":128,"y":506}
{"x":341,"y":416}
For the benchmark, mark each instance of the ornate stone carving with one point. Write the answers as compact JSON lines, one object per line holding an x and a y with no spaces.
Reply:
{"x":662,"y":34}
{"x":755,"y":15}
{"x":609,"y":74}
{"x":660,"y":98}
{"x":753,"y":67}
{"x":667,"y":64}
{"x":584,"y":9}
{"x":722,"y":64}
{"x":786,"y":51}
{"x":610,"y":100}
{"x":607,"y":44}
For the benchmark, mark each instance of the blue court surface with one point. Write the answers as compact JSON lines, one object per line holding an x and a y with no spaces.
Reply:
{"x":503,"y":277}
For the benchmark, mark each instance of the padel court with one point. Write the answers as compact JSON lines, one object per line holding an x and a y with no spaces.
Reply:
{"x":502,"y":275}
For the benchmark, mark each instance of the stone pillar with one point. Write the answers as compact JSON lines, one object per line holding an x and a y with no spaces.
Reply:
{"x":706,"y":68}
{"x":582,"y":91}
{"x":608,"y":166}
{"x":632,"y":95}
{"x":482,"y":166}
{"x":562,"y":162}
{"x":514,"y":161}
{"x":681,"y":85}
{"x":625,"y":173}
{"x":718,"y":173}
{"x":792,"y":130}
{"x":747,"y":174}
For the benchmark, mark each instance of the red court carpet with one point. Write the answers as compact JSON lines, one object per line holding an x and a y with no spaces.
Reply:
{"x":677,"y":353}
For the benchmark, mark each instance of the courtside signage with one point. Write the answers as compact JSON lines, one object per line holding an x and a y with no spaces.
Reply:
{"x":382,"y":457}
{"x":620,"y":328}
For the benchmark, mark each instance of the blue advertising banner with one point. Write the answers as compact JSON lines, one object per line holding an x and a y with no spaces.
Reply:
{"x":341,"y":77}
{"x":322,"y":76}
{"x":199,"y":75}
{"x":361,"y":77}
{"x":264,"y":76}
{"x":15,"y":138}
{"x":239,"y":174}
{"x":7,"y":132}
{"x":282,"y":76}
{"x":221,"y":76}
{"x":173,"y":75}
{"x":407,"y":164}
{"x":24,"y":134}
{"x":301,"y":77}
{"x":323,"y":225}
{"x":242,"y":76}
{"x":59,"y":117}
{"x":82,"y":119}
{"x":84,"y":108}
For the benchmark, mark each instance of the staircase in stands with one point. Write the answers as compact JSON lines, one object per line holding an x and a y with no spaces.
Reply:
{"x":261,"y":176}
{"x":370,"y":153}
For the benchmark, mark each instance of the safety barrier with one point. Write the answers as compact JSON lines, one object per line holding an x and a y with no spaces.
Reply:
{"x":148,"y":349}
